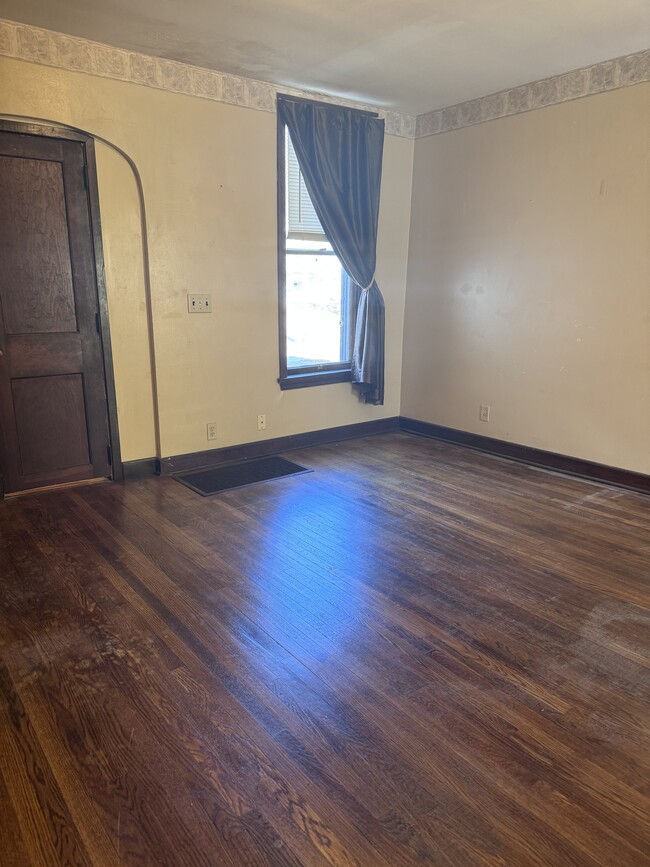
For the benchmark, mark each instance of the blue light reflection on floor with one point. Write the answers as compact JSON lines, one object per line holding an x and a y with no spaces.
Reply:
{"x":313,"y":563}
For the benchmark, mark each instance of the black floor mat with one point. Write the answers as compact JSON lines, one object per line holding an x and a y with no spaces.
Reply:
{"x":213,"y":480}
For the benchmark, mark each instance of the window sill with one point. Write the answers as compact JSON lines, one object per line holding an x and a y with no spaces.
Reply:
{"x":307,"y":380}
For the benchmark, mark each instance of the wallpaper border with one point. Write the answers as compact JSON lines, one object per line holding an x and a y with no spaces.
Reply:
{"x":49,"y":48}
{"x":598,"y":78}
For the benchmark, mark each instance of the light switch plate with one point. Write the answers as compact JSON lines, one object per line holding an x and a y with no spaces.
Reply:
{"x":199,"y":303}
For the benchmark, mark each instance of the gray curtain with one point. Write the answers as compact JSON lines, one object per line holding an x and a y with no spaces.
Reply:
{"x":340,"y":154}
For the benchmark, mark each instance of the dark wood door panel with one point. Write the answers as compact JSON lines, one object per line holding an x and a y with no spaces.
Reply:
{"x":50,"y":415}
{"x":34,"y":248}
{"x":44,"y":354}
{"x":53,"y":407}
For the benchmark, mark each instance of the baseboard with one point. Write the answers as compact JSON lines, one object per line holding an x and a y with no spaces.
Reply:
{"x":262,"y":448}
{"x":529,"y":455}
{"x":523,"y":454}
{"x":139,"y":469}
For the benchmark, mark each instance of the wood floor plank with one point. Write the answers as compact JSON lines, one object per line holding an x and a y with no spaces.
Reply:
{"x":48,"y":829}
{"x":261,"y":703}
{"x":417,"y":654}
{"x":62,"y":669}
{"x":11,"y":837}
{"x":220,"y":792}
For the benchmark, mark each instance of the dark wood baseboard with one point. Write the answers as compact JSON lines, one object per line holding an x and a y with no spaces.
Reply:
{"x":139,"y":469}
{"x":262,"y":448}
{"x":524,"y":454}
{"x":529,"y":455}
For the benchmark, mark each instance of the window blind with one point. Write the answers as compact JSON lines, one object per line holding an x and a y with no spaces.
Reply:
{"x":302,"y":222}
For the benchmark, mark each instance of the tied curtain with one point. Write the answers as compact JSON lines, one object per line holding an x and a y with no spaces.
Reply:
{"x":340,"y":152}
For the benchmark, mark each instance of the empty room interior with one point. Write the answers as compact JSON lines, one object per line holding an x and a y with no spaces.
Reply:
{"x":324,"y":433}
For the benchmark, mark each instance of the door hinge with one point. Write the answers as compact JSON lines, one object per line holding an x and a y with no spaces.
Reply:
{"x":98,"y":323}
{"x":85,"y":174}
{"x":109,"y":454}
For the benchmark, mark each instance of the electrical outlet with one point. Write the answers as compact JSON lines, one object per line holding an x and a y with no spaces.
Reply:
{"x":484,"y":413}
{"x":212,"y":430}
{"x":261,"y":422}
{"x":199,"y":303}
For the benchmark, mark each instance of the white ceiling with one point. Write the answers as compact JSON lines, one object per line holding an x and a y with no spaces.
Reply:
{"x":412,"y":56}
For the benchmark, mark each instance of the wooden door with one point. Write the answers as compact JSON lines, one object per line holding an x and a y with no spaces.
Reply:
{"x":53,"y":408}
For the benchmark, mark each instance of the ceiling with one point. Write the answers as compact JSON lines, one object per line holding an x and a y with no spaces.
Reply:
{"x":411,"y":56}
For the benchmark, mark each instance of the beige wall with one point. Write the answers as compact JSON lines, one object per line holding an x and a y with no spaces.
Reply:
{"x":529,"y":282}
{"x":527,"y":270}
{"x":208,"y":171}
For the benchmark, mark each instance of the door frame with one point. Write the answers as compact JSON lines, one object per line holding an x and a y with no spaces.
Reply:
{"x":88,"y":146}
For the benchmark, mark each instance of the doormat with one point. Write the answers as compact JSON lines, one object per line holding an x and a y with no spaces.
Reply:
{"x":213,"y":480}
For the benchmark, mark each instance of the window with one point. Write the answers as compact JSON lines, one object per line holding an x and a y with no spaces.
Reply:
{"x":317,"y":298}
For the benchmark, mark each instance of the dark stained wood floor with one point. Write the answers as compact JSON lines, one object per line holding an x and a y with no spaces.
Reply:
{"x":415,"y":655}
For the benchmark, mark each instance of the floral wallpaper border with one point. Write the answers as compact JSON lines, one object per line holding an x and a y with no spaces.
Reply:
{"x":49,"y":48}
{"x":601,"y":77}
{"x":36,"y":45}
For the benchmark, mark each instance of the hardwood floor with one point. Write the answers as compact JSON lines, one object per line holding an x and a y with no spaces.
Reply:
{"x":417,"y":654}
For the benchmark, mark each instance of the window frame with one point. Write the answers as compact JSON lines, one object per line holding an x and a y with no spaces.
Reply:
{"x":321,"y":374}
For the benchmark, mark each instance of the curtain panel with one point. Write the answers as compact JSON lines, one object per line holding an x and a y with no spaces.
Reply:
{"x":340,"y":152}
